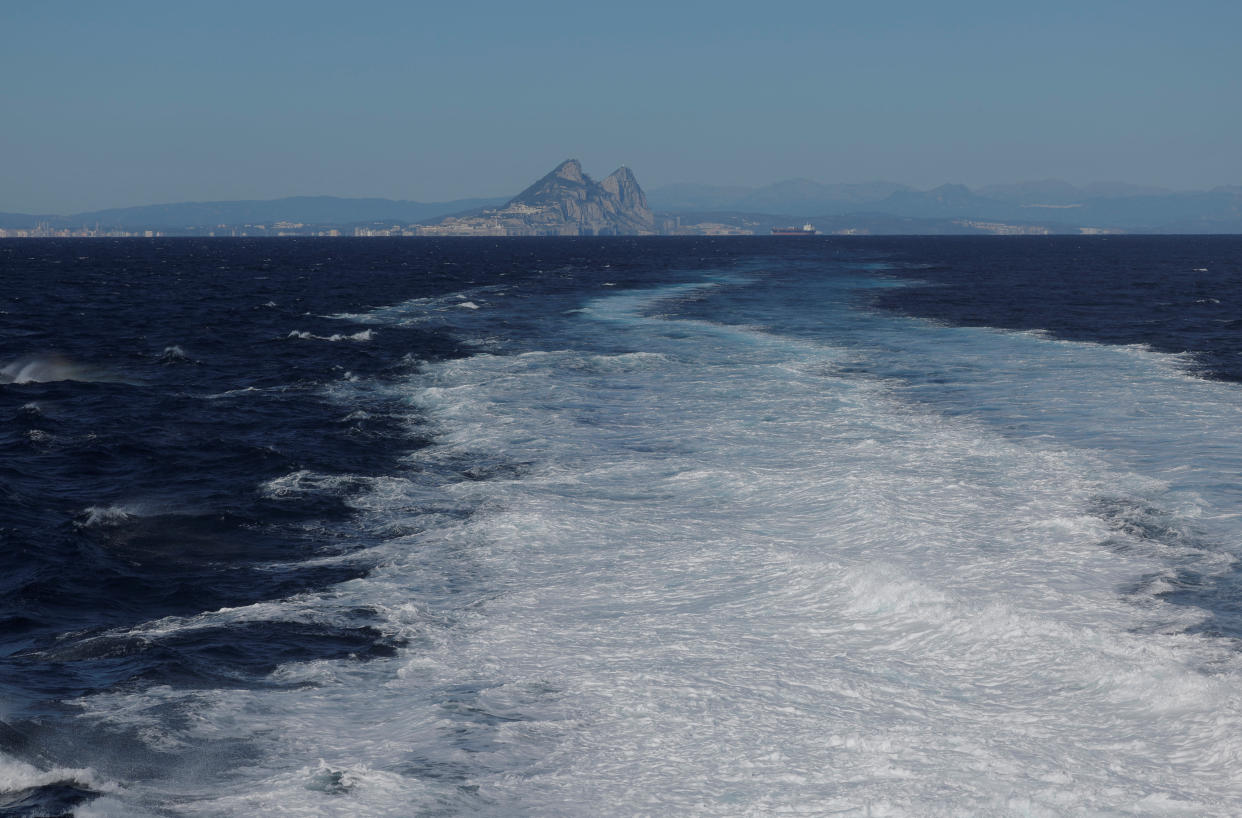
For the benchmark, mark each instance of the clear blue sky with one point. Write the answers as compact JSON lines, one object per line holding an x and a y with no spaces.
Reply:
{"x":125,"y":103}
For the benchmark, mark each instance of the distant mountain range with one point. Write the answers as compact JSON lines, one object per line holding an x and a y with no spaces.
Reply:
{"x":320,"y":210}
{"x":790,"y":196}
{"x":1060,"y":206}
{"x":618,"y":205}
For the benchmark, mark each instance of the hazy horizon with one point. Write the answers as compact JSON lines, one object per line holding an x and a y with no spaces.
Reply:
{"x":599,"y":175}
{"x":140,"y":103}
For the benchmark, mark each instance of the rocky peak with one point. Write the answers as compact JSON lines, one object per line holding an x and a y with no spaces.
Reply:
{"x":567,"y":179}
{"x":622,"y":184}
{"x":571,"y":203}
{"x":571,"y":171}
{"x":565,"y":202}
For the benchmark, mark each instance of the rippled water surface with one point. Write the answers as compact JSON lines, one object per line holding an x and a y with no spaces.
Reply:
{"x":621,"y":526}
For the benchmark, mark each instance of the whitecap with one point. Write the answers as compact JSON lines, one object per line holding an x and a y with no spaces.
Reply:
{"x":364,"y":335}
{"x":44,"y":369}
{"x":109,"y":515}
{"x":233,"y":393}
{"x":17,"y":775}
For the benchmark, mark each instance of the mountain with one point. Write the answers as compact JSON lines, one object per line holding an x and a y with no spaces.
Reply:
{"x":565,"y":202}
{"x":1120,"y":190}
{"x":688,"y":197}
{"x":22,"y":221}
{"x":320,"y":210}
{"x":788,"y":196}
{"x":306,"y":209}
{"x":1055,"y":193}
{"x":805,"y":196}
{"x":1050,"y":204}
{"x":710,"y":222}
{"x":1216,"y":211}
{"x":1050,"y":192}
{"x":946,"y":201}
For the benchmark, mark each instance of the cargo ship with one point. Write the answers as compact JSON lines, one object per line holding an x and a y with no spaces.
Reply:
{"x":804,"y":230}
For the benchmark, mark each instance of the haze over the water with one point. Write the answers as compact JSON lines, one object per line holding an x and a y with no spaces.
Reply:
{"x":131,"y":103}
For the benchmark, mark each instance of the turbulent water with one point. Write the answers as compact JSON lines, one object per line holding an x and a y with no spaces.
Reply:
{"x":570,"y":527}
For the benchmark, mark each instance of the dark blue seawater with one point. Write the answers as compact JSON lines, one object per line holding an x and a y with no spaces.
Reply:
{"x":294,"y":526}
{"x":1174,"y":294}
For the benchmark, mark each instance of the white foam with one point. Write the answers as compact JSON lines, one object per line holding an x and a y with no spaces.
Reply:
{"x":304,"y":481}
{"x":431,"y":309}
{"x":726,"y":580}
{"x":44,"y":369}
{"x":109,"y":515}
{"x":364,"y":335}
{"x":16,"y":776}
{"x":111,"y":807}
{"x":233,"y":393}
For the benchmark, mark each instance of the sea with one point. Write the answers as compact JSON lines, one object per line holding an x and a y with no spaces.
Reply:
{"x":668,"y":526}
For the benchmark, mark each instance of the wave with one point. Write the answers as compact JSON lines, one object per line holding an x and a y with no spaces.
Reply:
{"x":28,"y":790}
{"x":364,"y":335}
{"x":681,"y":567}
{"x":247,"y":390}
{"x":174,"y":354}
{"x":417,"y":311}
{"x":744,"y":561}
{"x":18,"y":775}
{"x":109,"y":515}
{"x":45,"y":369}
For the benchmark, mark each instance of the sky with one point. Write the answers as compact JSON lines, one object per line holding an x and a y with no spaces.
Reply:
{"x":129,"y":103}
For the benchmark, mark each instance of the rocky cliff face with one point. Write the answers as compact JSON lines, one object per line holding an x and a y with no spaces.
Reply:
{"x":566,"y":202}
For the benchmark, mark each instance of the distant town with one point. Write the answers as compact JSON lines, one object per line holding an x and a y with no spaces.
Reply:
{"x":667,"y":227}
{"x":44,"y":230}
